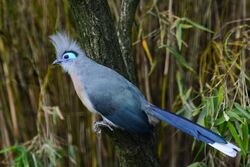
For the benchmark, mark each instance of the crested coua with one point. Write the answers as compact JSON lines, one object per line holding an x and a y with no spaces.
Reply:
{"x":120,"y":103}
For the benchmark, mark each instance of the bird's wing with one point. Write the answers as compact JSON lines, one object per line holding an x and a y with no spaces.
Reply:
{"x":117,"y":101}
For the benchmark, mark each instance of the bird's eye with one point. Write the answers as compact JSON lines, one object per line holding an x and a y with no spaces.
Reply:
{"x":69,"y":55}
{"x":66,"y":56}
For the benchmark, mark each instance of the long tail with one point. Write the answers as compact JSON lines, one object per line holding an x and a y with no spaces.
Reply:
{"x":195,"y":130}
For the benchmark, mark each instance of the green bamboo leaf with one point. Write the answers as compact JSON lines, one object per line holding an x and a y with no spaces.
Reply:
{"x":179,"y":35}
{"x":176,"y":23}
{"x":140,"y":31}
{"x":186,"y":26}
{"x":180,"y":86}
{"x":234,"y":115}
{"x":8,"y":149}
{"x":240,"y":109}
{"x":204,"y":113}
{"x":188,"y":93}
{"x":195,"y":164}
{"x":178,"y":57}
{"x":72,"y":154}
{"x":219,"y":121}
{"x":244,"y":128}
{"x":34,"y":160}
{"x":220,"y":95}
{"x":236,"y":137}
{"x":212,"y":105}
{"x":153,"y":65}
{"x":196,"y":25}
{"x":25,"y":157}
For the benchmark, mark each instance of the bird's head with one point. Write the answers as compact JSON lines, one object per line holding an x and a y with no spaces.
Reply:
{"x":68,"y":52}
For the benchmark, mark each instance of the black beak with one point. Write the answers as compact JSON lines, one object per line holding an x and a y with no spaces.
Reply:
{"x":56,"y":62}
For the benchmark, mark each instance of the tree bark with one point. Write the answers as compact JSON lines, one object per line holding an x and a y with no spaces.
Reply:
{"x":126,"y":20}
{"x":100,"y":41}
{"x":97,"y":33}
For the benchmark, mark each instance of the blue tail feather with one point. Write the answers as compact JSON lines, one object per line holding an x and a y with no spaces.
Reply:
{"x":187,"y":126}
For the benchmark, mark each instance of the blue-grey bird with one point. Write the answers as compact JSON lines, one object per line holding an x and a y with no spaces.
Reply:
{"x":120,"y":103}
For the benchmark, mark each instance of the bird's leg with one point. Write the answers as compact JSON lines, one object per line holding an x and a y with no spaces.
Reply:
{"x":99,"y":124}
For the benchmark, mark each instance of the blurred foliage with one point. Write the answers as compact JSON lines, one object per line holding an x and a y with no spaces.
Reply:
{"x":192,"y":58}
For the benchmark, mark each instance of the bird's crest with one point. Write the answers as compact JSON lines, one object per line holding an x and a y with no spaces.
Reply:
{"x":62,"y":43}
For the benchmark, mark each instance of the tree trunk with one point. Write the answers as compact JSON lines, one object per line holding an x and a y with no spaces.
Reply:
{"x":100,"y":41}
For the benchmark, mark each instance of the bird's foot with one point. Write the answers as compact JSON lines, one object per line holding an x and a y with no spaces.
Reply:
{"x":99,"y":124}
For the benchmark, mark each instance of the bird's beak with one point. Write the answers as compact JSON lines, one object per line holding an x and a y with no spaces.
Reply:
{"x":56,"y":62}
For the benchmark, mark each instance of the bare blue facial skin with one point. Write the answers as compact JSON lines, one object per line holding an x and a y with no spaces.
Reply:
{"x":69,"y":55}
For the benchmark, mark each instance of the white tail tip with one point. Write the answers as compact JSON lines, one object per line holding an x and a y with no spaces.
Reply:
{"x":228,"y":149}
